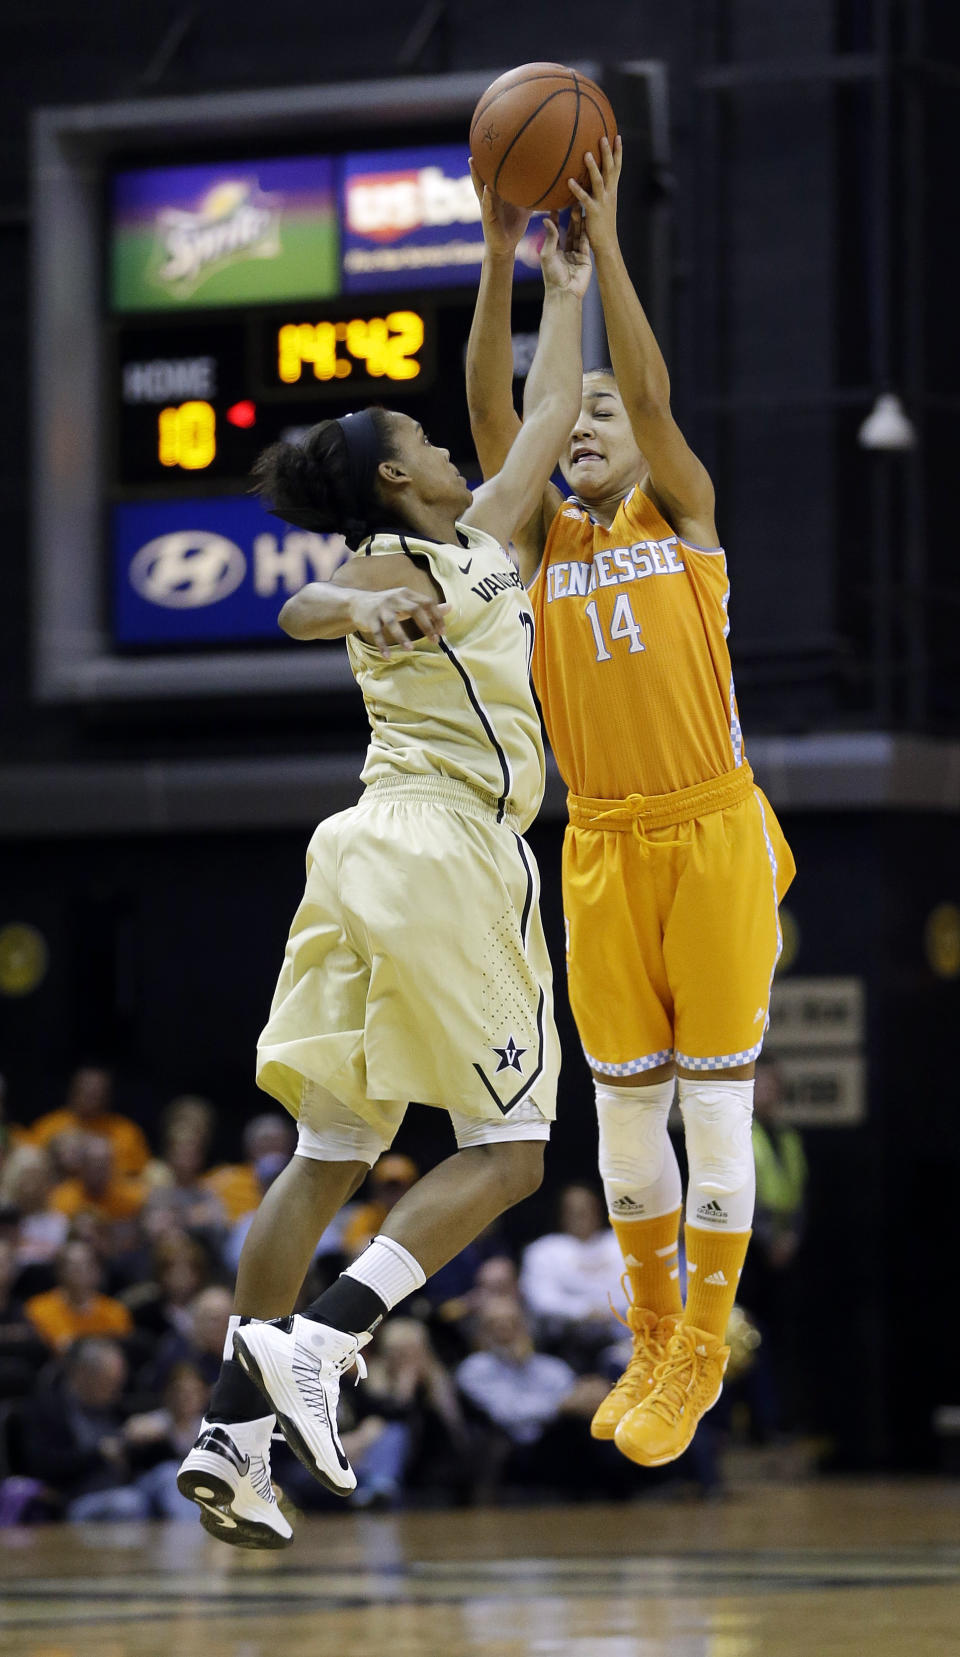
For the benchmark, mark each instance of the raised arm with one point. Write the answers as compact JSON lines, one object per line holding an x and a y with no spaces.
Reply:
{"x":494,"y":421}
{"x":678,"y":480}
{"x":506,"y":503}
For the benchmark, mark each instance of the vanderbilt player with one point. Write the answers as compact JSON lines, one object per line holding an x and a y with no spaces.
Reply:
{"x":416,"y":965}
{"x":674,"y":863}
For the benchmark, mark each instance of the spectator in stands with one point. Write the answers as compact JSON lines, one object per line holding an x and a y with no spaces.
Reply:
{"x":22,"y":1352}
{"x":237,"y":1184}
{"x":25,"y":1186}
{"x":180,"y":1267}
{"x":156,"y":1441}
{"x":388,"y":1179}
{"x":70,"y":1436}
{"x":76,"y":1307}
{"x":98,"y":1188}
{"x":568,"y":1278}
{"x":183,"y":1193}
{"x":200,"y":1345}
{"x":424,"y":1443}
{"x":187,"y":1113}
{"x":87,"y":1109}
{"x":540,"y":1409}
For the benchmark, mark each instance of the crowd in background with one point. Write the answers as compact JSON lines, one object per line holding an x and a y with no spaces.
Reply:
{"x":116,"y":1266}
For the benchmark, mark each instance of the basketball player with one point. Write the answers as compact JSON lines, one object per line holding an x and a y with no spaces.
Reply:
{"x":416,"y":965}
{"x":674,"y":863}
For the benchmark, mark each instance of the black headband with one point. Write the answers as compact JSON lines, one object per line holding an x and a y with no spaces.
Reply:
{"x":362,"y":442}
{"x":363,"y":454}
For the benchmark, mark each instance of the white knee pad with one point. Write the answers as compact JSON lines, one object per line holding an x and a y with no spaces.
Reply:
{"x":718,"y":1119}
{"x":638,"y":1165}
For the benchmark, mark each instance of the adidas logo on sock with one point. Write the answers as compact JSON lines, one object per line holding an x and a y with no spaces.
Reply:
{"x":717,"y":1278}
{"x":628,"y":1205}
{"x":712,"y":1210}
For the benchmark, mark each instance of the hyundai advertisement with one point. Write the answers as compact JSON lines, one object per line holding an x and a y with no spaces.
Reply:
{"x":209,"y":571}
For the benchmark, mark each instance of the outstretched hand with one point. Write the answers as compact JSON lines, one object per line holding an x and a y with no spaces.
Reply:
{"x":599,"y":203}
{"x":504,"y":225}
{"x":566,"y":267}
{"x":382,"y":615}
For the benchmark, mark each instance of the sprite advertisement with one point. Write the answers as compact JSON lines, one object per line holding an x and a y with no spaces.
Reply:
{"x":251,"y":232}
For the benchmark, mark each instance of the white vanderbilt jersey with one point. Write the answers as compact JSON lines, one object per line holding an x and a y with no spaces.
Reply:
{"x":462,"y":708}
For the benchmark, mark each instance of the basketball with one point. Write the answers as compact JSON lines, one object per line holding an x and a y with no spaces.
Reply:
{"x":531,"y":130}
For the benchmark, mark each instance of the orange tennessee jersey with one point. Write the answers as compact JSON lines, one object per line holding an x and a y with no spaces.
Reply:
{"x":630,"y":662}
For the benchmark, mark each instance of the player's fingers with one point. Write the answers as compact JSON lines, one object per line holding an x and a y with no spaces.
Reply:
{"x":430,"y":623}
{"x":596,"y":176}
{"x":551,"y":237}
{"x":394,"y":632}
{"x":478,"y":183}
{"x":582,"y":196}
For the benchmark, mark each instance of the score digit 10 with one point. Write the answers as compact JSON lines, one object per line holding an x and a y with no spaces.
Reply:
{"x":386,"y":346}
{"x":187,"y":436}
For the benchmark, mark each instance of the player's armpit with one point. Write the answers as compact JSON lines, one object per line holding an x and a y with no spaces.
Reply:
{"x":531,"y":540}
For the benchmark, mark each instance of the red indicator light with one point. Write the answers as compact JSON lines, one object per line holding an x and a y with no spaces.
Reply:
{"x":243,"y":414}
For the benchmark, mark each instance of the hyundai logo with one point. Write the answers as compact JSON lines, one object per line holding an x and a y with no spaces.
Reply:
{"x":187,"y":569}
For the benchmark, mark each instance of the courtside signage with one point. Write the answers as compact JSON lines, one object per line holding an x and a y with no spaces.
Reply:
{"x":412,"y":216}
{"x":209,"y":571}
{"x":246,"y":232}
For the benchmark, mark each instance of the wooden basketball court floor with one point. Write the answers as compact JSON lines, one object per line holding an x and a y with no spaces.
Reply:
{"x":824,"y":1569}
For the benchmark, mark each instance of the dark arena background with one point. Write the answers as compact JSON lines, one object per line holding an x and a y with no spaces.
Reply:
{"x":788,"y":213}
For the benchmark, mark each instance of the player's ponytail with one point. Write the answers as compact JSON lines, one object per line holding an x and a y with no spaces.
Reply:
{"x":328,"y":483}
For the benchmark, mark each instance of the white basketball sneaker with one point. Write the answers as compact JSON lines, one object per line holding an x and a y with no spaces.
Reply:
{"x":297,"y":1364}
{"x":227,"y":1474}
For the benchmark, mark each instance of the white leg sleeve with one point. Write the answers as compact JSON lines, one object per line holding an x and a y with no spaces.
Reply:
{"x":638,"y":1164}
{"x":717,"y":1119}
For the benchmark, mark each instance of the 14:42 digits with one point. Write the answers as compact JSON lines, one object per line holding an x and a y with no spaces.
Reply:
{"x":383,"y":347}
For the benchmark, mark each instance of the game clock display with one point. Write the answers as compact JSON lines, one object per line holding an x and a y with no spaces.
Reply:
{"x":204,"y":398}
{"x":245,"y":301}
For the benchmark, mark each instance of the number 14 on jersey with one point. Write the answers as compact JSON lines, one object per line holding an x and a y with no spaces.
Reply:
{"x":622,"y":626}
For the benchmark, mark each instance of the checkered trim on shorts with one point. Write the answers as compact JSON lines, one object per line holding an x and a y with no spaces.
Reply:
{"x":631,"y":1067}
{"x":726,"y":1061}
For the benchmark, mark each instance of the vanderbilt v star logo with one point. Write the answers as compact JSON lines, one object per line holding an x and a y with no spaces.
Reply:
{"x":510,"y":1056}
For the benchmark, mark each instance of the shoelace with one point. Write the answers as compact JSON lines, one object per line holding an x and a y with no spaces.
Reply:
{"x":635,"y":1382}
{"x":673,"y":1379}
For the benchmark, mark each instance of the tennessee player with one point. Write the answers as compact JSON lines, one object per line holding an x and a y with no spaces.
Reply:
{"x":674,"y":863}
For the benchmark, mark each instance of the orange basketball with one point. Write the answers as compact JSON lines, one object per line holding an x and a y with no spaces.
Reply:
{"x":531,"y":130}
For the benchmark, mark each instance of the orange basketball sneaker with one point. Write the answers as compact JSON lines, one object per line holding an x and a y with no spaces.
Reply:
{"x":650,"y":1338}
{"x":686,"y":1384}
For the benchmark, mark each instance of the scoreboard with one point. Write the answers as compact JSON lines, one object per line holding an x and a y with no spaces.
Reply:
{"x":246,"y":299}
{"x":213,"y":273}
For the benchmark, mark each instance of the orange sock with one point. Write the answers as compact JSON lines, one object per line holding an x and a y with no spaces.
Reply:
{"x":649,"y":1249}
{"x":714,"y":1263}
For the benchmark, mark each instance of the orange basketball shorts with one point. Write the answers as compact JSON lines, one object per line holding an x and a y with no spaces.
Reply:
{"x":671,"y":909}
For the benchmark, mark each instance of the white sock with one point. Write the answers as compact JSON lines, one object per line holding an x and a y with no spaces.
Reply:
{"x":233,"y":1325}
{"x":389,"y":1269}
